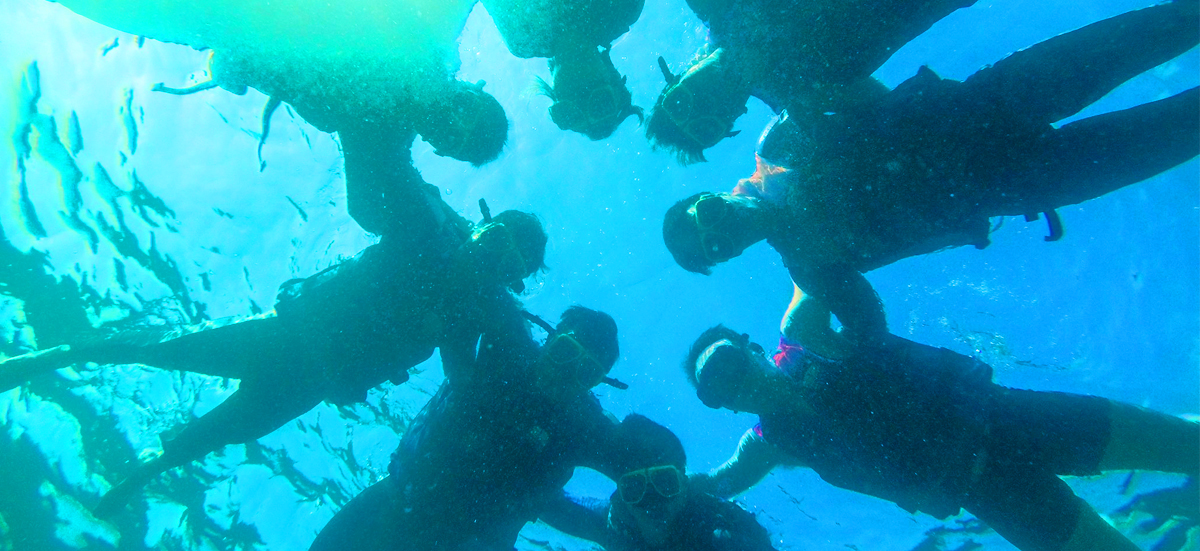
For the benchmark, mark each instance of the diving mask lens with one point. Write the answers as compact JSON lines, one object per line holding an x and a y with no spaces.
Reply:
{"x":709,"y":211}
{"x":706,"y":131}
{"x":632,"y":487}
{"x":500,"y":252}
{"x":717,"y":247}
{"x":677,"y":103}
{"x":565,"y":350}
{"x":666,"y":480}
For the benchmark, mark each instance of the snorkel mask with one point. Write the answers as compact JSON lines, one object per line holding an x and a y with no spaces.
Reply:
{"x":495,"y":252}
{"x":711,"y":213}
{"x":694,"y":103}
{"x":721,"y":371}
{"x":665,"y":480}
{"x":590,"y":96}
{"x":567,"y":359}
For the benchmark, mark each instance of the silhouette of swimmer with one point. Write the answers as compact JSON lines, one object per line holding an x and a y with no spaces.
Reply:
{"x":924,"y":168}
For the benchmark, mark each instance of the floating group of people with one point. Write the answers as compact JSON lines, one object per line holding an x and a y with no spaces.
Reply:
{"x":851,"y":176}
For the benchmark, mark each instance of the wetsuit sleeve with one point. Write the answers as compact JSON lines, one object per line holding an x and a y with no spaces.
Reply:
{"x":386,"y":195}
{"x":754,"y":459}
{"x":581,"y":517}
{"x":506,"y":351}
{"x":848,"y":295}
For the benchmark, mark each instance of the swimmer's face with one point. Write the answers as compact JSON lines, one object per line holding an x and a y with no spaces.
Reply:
{"x":567,"y":368}
{"x":655,"y":497}
{"x":590,"y":95}
{"x":704,"y":104}
{"x":734,"y":376}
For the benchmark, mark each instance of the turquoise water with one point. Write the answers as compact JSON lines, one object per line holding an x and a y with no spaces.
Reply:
{"x":155,"y":202}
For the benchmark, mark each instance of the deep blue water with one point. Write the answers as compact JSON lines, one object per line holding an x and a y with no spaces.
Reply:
{"x":1112,"y":310}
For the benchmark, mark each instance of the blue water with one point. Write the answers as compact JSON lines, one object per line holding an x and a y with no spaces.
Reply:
{"x":1113,"y":309}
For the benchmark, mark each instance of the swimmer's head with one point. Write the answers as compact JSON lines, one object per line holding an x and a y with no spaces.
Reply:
{"x":508,"y":248}
{"x":590,"y":96}
{"x":467,"y":124}
{"x":697,"y":108}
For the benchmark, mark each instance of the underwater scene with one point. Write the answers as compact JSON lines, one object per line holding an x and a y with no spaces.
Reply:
{"x":600,"y":274}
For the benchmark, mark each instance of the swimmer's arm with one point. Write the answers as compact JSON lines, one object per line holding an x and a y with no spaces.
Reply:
{"x":754,"y":459}
{"x":807,"y":322}
{"x":848,"y":295}
{"x":385,"y":193}
{"x":581,"y":517}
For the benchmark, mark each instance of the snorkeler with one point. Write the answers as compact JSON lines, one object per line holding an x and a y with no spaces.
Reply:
{"x":804,"y":56}
{"x":497,"y":442}
{"x":332,"y":336}
{"x":926,"y":166}
{"x":654,"y":508}
{"x":589,"y":96}
{"x":927,"y":429}
{"x":339,"y":66}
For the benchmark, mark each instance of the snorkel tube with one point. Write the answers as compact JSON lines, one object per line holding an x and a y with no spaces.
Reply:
{"x":551,"y":330}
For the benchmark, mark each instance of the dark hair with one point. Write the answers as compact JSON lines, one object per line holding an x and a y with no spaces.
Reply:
{"x":605,"y":127}
{"x":491,"y":133}
{"x":487,"y":134}
{"x":663,"y":133}
{"x":529,"y":235}
{"x":681,"y":238}
{"x":705,"y":340}
{"x":595,"y":330}
{"x":642,"y":443}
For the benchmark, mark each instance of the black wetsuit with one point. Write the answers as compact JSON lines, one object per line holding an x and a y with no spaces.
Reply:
{"x":925,"y":167}
{"x":547,"y":28}
{"x":797,"y":52}
{"x":482,"y":459}
{"x":706,"y":523}
{"x":926,"y":428}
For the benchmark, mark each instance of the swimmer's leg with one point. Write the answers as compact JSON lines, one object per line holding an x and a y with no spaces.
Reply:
{"x":255,"y":410}
{"x":1094,"y":156}
{"x":1036,"y":511}
{"x":1055,"y":79}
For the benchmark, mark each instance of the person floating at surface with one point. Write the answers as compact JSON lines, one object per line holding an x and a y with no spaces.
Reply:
{"x":589,"y":95}
{"x":927,"y":429}
{"x":332,"y":336}
{"x":498,"y":441}
{"x":339,"y":65}
{"x":654,"y":507}
{"x":804,"y":56}
{"x":924,"y":168}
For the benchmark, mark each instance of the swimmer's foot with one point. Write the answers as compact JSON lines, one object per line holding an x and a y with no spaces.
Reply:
{"x":18,"y":370}
{"x":115,"y":500}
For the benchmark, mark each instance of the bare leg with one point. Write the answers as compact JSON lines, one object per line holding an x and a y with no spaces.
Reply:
{"x":255,"y":410}
{"x":1036,"y":511}
{"x":1053,"y":80}
{"x":237,"y":350}
{"x":1094,"y":156}
{"x":1092,"y":533}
